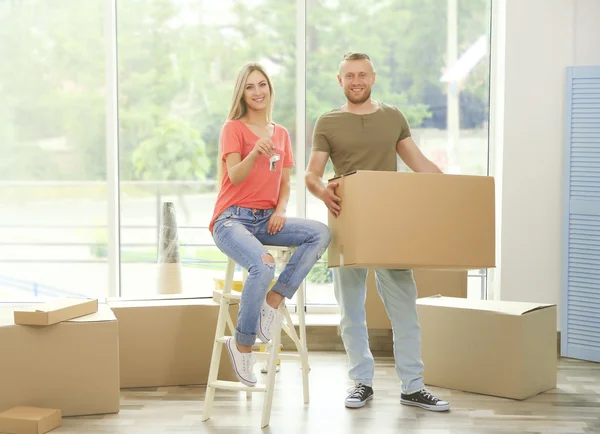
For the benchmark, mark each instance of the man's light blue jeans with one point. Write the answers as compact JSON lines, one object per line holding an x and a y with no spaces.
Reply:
{"x":241,"y":233}
{"x":398,"y":291}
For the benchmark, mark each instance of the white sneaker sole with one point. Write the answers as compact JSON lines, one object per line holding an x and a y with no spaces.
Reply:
{"x":427,"y":407}
{"x":357,"y":404}
{"x":235,"y":370}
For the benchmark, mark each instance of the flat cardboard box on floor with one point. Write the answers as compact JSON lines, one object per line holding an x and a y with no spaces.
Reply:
{"x":72,"y":366}
{"x":29,"y":420}
{"x":449,"y":283}
{"x":499,"y":348}
{"x":168,"y":342}
{"x":413,"y":220}
{"x":56,"y":311}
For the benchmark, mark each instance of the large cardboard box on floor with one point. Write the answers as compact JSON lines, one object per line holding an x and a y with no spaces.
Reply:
{"x":500,"y":348}
{"x":413,"y":220}
{"x":449,"y":283}
{"x":168,"y":341}
{"x":72,"y":366}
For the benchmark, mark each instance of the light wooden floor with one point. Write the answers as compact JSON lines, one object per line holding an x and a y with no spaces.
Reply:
{"x":574,"y":407}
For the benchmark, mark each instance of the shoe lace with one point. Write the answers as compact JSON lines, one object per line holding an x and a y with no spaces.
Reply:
{"x":248,"y":362}
{"x":428,"y":395}
{"x":269,"y":317}
{"x":357,"y":391}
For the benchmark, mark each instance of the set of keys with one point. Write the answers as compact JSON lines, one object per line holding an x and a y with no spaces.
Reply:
{"x":273,"y":162}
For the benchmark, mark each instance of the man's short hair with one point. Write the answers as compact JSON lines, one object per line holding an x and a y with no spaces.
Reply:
{"x":356,"y":56}
{"x":352,"y":55}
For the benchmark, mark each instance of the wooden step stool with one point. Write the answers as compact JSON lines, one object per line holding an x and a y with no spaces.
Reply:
{"x":282,"y":255}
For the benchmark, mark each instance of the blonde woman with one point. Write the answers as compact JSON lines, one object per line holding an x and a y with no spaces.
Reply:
{"x":255,"y":157}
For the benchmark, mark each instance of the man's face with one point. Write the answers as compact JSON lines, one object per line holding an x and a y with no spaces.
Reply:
{"x":357,"y":78}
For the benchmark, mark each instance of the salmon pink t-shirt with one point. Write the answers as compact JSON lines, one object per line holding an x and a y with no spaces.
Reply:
{"x":260,"y":190}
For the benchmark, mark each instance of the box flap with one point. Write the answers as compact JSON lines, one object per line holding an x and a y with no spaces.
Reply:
{"x":58,"y":304}
{"x":162,"y":302}
{"x":104,"y":314}
{"x":502,"y":307}
{"x":154,"y":297}
{"x":344,"y":175}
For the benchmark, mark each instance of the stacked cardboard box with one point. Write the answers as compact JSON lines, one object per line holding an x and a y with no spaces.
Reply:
{"x":69,"y":361}
{"x":438,"y":225}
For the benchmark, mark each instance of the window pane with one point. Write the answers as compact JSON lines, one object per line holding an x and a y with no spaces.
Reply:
{"x":475,"y":284}
{"x":178,"y":62}
{"x":53,"y":191}
{"x":407,"y":42}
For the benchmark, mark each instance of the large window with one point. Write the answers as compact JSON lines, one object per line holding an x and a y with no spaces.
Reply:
{"x":176,"y":65}
{"x":432,"y":61}
{"x":53,"y":195}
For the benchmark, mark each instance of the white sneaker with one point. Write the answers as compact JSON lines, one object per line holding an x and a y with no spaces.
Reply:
{"x":243,"y":363}
{"x":266,"y":322}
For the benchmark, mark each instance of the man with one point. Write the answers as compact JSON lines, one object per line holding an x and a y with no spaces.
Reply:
{"x":366,"y":135}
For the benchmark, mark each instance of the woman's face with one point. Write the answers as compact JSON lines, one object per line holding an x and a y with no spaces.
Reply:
{"x":257,"y":95}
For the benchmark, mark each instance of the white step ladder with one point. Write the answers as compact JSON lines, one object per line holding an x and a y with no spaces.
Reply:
{"x":282,"y":255}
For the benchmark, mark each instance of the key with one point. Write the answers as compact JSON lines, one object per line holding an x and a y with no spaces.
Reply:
{"x":273,"y":162}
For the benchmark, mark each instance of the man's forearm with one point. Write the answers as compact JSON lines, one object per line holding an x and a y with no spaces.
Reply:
{"x":314,"y":184}
{"x":430,"y":167}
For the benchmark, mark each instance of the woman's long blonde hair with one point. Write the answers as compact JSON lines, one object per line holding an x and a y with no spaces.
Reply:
{"x":238,"y":107}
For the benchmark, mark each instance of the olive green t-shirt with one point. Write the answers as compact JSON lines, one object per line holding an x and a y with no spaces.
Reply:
{"x":361,"y":142}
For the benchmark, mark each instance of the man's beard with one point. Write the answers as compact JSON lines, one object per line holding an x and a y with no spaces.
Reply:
{"x":357,"y":100}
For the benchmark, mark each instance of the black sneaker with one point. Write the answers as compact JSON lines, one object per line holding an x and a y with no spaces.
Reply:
{"x":359,"y":395}
{"x":425,"y":400}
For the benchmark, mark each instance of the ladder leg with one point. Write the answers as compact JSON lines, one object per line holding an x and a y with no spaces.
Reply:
{"x":230,"y":324}
{"x":304,"y":350}
{"x":271,"y":370}
{"x":217,"y":346}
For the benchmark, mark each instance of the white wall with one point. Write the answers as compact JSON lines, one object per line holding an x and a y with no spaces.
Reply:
{"x":542,"y":38}
{"x":587,"y":32}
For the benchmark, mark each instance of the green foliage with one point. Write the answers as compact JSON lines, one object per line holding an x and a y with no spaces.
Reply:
{"x":320,"y":273}
{"x":175,"y":151}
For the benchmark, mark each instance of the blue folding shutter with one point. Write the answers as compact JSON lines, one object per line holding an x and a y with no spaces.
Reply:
{"x":580,"y":308}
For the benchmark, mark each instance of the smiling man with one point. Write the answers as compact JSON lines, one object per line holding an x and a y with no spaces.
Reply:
{"x":365,"y":134}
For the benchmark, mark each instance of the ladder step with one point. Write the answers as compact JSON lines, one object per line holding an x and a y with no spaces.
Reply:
{"x":281,"y":356}
{"x":234,"y":385}
{"x":233,"y":296}
{"x":265,"y":354}
{"x":280,"y":248}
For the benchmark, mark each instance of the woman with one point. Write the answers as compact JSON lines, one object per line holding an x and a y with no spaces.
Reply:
{"x":255,"y":157}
